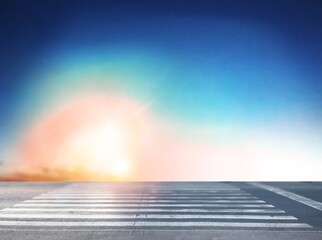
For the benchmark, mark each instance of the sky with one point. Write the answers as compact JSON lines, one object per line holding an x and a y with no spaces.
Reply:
{"x":161,"y":90}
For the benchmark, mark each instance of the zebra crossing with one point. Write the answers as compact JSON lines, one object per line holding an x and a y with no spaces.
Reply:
{"x":148,"y":206}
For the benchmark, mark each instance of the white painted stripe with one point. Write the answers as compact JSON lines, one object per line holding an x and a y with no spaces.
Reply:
{"x":133,"y":188}
{"x":154,"y":224}
{"x":138,"y":201}
{"x":143,"y":194}
{"x":116,"y":190}
{"x":143,"y":186}
{"x":304,"y":200}
{"x":67,"y":224}
{"x":152,"y":190}
{"x":148,"y":198}
{"x":145,"y":191}
{"x":223,"y":224}
{"x":104,"y":190}
{"x":145,"y":216}
{"x":141,"y":210}
{"x":144,"y":205}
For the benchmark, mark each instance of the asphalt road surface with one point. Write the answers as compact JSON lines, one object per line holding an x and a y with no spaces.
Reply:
{"x":168,"y":210}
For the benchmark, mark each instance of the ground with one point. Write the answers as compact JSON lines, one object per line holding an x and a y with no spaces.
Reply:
{"x":161,"y":210}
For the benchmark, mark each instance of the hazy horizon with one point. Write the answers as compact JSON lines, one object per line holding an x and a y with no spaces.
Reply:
{"x":161,"y":90}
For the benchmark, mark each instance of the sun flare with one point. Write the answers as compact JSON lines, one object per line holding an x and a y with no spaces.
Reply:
{"x":93,"y":138}
{"x":102,"y":149}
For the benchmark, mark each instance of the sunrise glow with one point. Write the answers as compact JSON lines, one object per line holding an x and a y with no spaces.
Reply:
{"x":161,"y":91}
{"x":91,"y":137}
{"x":100,"y":148}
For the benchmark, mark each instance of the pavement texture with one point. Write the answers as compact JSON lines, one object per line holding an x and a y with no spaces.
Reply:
{"x":161,"y":210}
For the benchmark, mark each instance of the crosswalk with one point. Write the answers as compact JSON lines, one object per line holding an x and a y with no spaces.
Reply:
{"x":148,"y":206}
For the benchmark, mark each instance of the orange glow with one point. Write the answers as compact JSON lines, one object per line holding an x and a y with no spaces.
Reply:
{"x":94,"y":138}
{"x":99,"y":137}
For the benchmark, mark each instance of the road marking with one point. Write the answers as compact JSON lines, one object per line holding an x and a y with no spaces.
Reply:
{"x":144,"y":205}
{"x":135,"y":208}
{"x":191,"y":210}
{"x":148,"y":190}
{"x":138,"y":201}
{"x":146,"y":216}
{"x":223,"y":224}
{"x":117,"y":190}
{"x":143,"y":194}
{"x":306,"y":201}
{"x":148,"y":198}
{"x":129,"y":230}
{"x":154,"y":224}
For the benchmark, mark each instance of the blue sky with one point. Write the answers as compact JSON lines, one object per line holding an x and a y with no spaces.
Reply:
{"x":250,"y":60}
{"x":202,"y":63}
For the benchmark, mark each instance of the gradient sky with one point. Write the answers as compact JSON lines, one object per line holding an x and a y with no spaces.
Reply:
{"x":234,"y":86}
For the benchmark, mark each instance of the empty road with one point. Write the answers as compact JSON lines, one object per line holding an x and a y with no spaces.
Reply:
{"x":155,"y":210}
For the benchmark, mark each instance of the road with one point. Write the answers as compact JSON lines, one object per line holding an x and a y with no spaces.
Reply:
{"x":154,"y":210}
